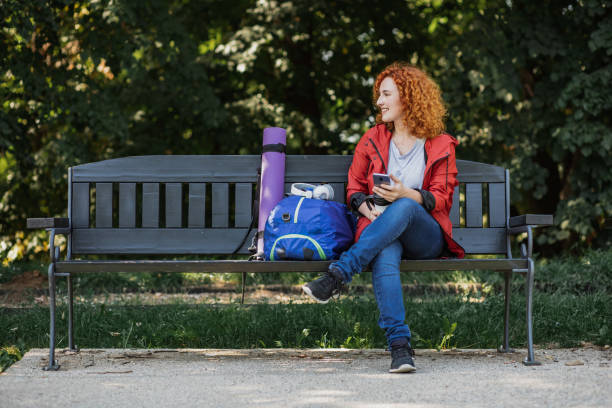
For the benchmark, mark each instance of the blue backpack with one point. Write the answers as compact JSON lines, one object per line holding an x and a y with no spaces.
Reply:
{"x":301,"y":228}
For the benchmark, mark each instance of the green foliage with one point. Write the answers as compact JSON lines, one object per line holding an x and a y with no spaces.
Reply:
{"x":88,"y":81}
{"x":531,"y":94}
{"x":526,"y":87}
{"x":10,"y":354}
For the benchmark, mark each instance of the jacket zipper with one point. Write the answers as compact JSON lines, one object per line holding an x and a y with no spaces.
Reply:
{"x":434,"y":163}
{"x":379,"y":155}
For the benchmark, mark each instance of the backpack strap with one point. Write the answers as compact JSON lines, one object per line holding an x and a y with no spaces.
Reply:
{"x":254,"y":220}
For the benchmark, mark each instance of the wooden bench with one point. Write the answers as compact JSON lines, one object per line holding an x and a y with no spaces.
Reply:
{"x":201,"y":205}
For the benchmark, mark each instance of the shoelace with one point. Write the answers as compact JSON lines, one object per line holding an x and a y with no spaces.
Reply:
{"x":402,"y":351}
{"x":337,"y":284}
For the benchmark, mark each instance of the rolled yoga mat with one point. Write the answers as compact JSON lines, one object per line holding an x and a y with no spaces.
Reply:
{"x":272,"y":187}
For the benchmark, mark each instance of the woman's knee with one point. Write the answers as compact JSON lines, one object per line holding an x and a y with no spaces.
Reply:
{"x":405,"y":205}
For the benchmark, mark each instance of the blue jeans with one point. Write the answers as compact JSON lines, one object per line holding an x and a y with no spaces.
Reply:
{"x":405,"y":229}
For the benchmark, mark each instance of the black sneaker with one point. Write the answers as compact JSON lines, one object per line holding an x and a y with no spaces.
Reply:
{"x":401,"y":358}
{"x":327,"y":286}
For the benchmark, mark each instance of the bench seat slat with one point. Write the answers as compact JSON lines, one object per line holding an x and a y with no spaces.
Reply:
{"x":224,"y":266}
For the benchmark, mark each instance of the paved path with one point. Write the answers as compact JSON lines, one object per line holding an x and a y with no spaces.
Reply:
{"x":307,"y":378}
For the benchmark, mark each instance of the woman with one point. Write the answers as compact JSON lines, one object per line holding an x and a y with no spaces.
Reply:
{"x":408,"y":143}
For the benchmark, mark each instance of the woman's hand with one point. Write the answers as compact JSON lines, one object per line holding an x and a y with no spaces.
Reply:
{"x":391,"y":193}
{"x":374,"y":213}
{"x":370,"y":214}
{"x":397,"y":190}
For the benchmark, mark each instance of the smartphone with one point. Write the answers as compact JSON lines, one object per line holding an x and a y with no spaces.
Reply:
{"x":380,"y":178}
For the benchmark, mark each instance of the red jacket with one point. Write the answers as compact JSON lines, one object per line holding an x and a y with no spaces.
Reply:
{"x":440,"y":179}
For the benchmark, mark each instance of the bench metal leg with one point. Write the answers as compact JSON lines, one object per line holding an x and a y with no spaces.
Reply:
{"x":505,"y":348}
{"x":530,"y":360}
{"x":243,"y":287}
{"x":52,"y":363}
{"x":71,"y":345}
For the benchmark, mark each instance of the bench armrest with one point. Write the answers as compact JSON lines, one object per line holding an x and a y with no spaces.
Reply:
{"x":526,"y":223}
{"x":55,"y":226}
{"x":45,"y":223}
{"x":531,"y":219}
{"x":522,"y":223}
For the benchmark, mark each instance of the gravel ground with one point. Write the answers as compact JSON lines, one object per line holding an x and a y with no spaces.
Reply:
{"x":307,"y":378}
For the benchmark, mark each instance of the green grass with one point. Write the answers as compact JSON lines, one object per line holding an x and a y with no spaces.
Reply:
{"x":562,"y":319}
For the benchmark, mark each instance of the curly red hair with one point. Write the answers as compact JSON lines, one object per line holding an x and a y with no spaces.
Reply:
{"x":421,"y":100}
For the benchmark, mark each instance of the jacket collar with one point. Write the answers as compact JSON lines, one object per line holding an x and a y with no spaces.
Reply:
{"x":435,"y":148}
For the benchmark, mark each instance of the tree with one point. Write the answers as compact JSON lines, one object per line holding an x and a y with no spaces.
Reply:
{"x":87,"y":81}
{"x":530,"y":92}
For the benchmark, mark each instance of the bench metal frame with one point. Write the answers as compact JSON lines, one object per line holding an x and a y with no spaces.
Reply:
{"x":184,"y":205}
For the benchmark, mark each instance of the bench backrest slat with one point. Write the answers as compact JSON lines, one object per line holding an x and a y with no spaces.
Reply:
{"x":197,"y":205}
{"x":481,"y":240}
{"x":169,"y":169}
{"x":174,"y":205}
{"x":497,"y":205}
{"x":150,"y":205}
{"x":339,"y":192}
{"x":244,"y":199}
{"x":158,"y":240}
{"x":473,"y":205}
{"x":474,"y":172}
{"x":163,"y":202}
{"x":104,"y":205}
{"x":220,"y":205}
{"x":454,"y":212}
{"x":80,"y":205}
{"x":127,"y":205}
{"x":225,"y":240}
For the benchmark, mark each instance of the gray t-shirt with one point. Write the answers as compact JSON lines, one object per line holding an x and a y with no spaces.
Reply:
{"x":410,"y":167}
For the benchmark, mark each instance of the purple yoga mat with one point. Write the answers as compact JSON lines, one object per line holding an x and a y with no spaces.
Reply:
{"x":272,"y":187}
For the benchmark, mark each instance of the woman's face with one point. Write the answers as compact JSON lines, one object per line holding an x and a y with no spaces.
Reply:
{"x":389,"y":101}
